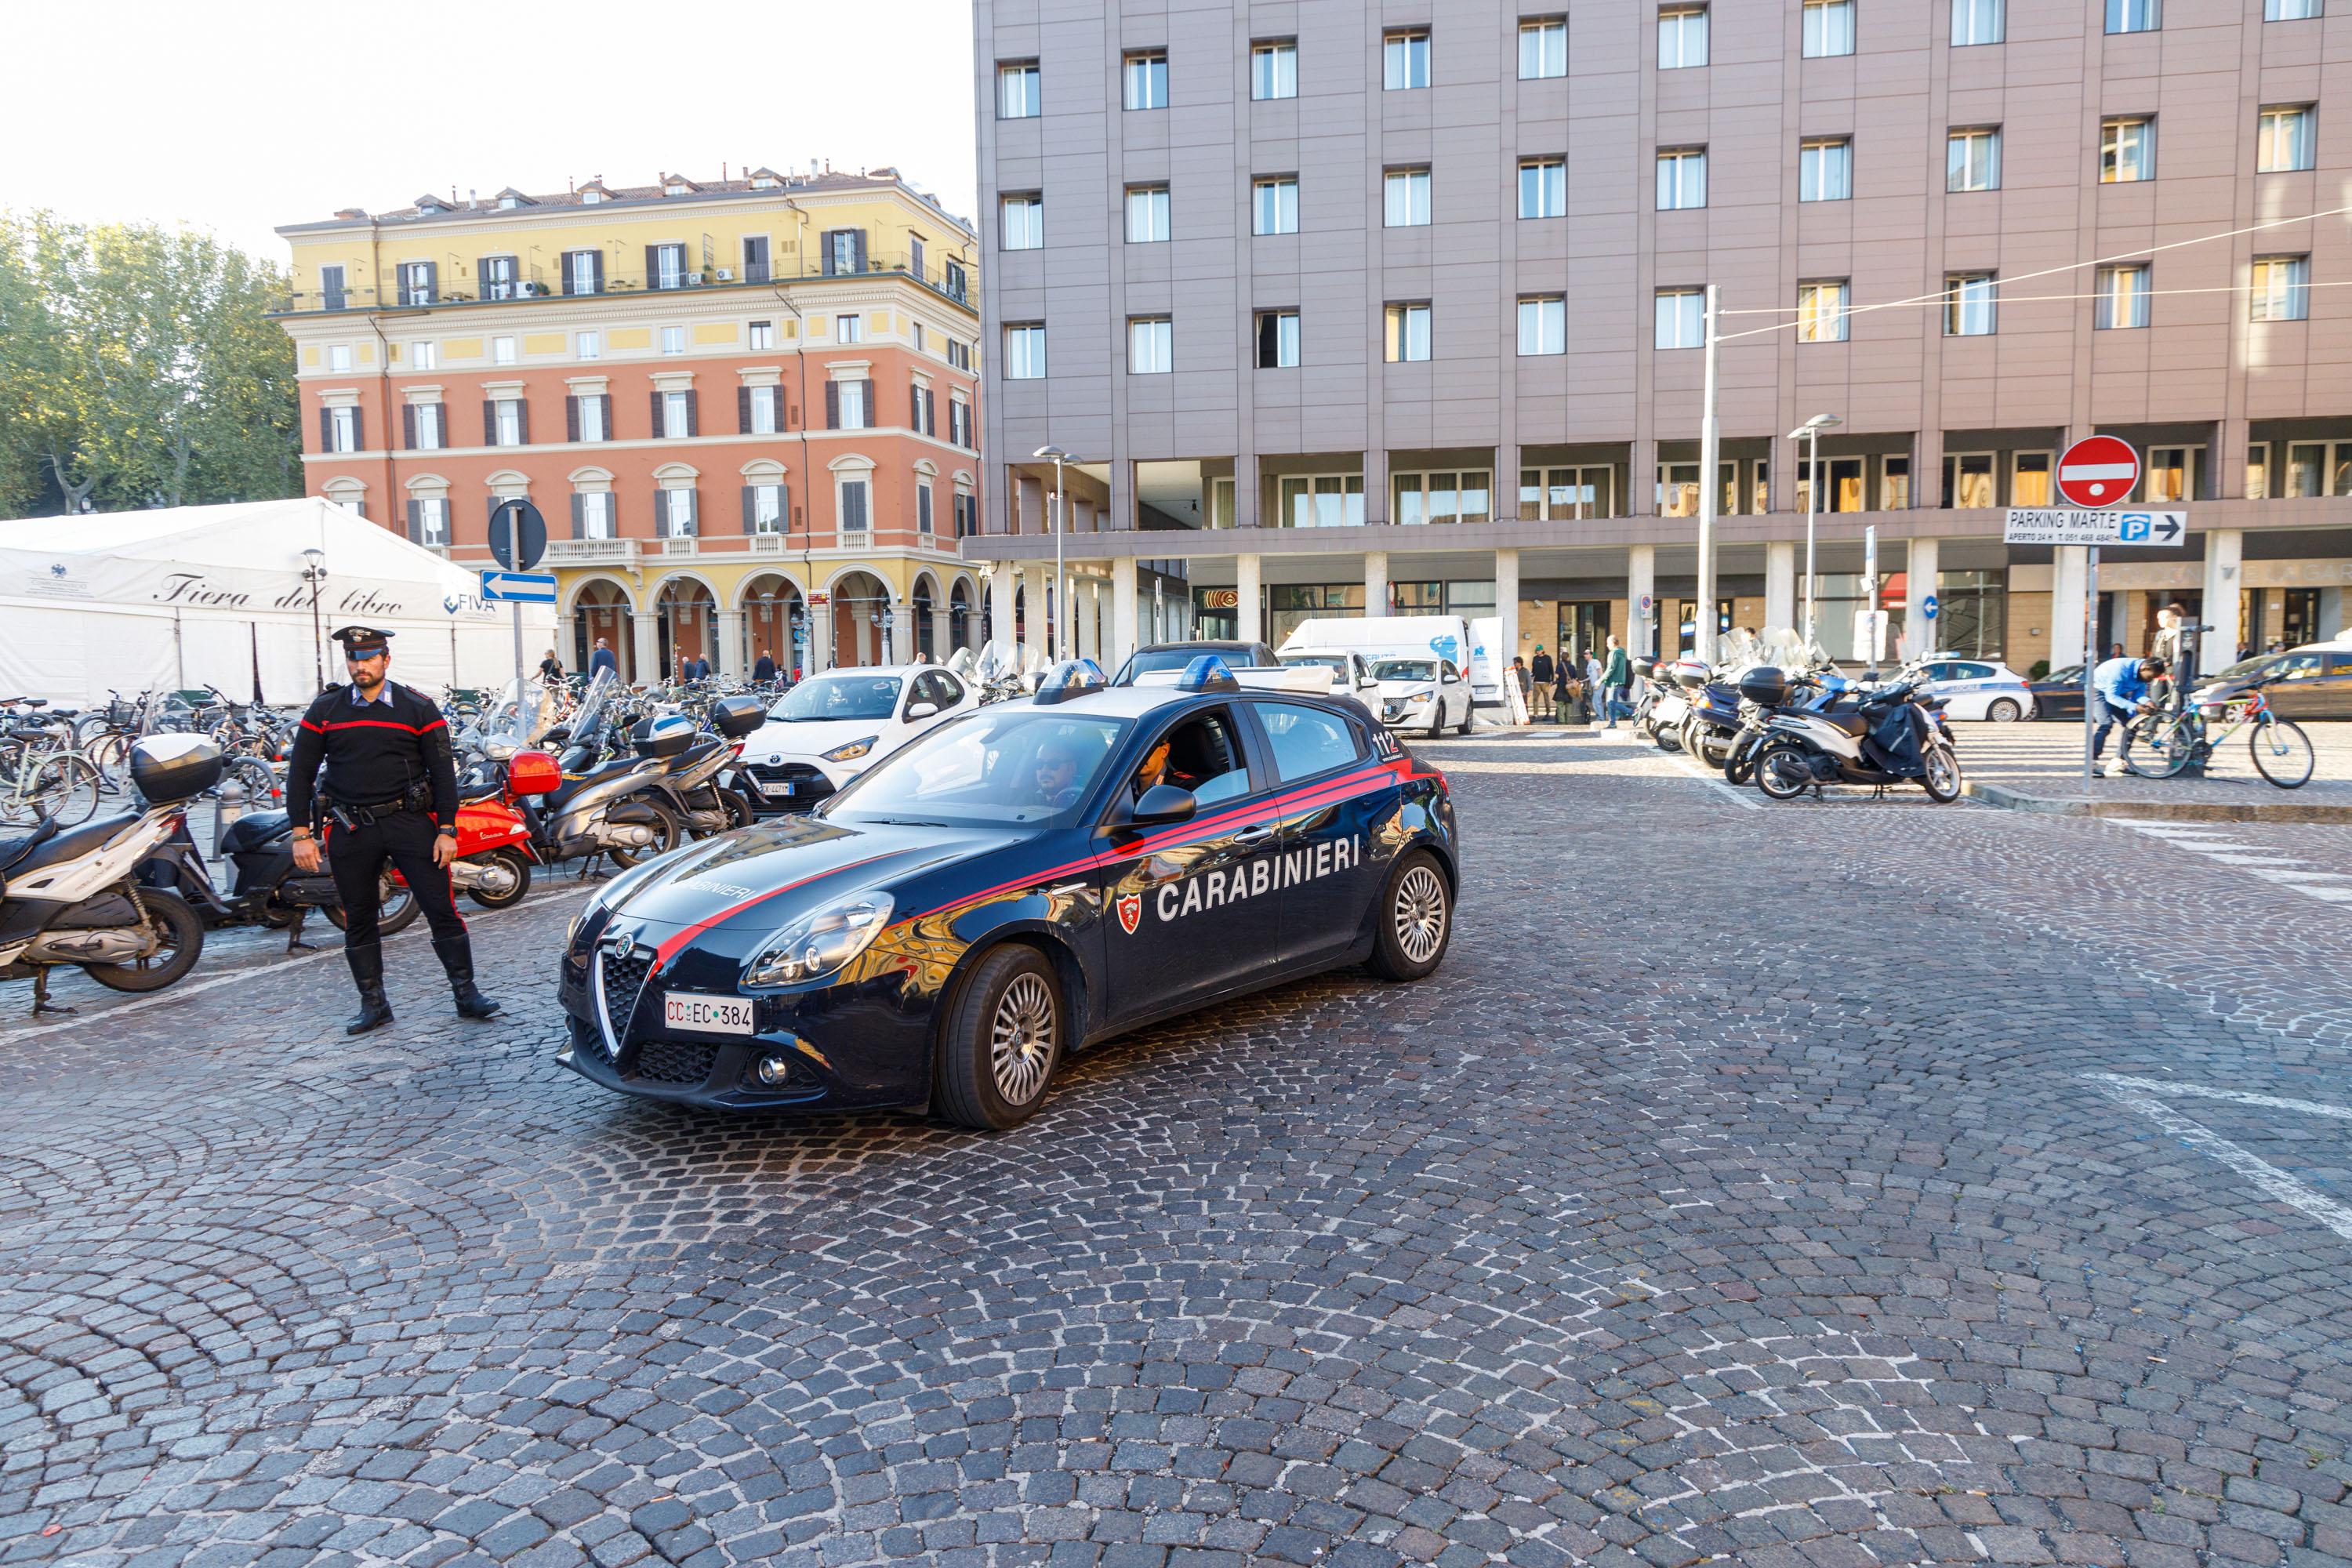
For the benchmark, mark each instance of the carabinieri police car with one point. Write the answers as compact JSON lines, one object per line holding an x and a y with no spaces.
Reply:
{"x":1027,"y":880}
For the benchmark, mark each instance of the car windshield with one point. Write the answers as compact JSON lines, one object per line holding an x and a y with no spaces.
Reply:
{"x":2247,"y":669}
{"x":1404,"y":669}
{"x":1007,"y":765}
{"x":829,"y":697}
{"x":2069,"y":676}
{"x":1147,"y":660}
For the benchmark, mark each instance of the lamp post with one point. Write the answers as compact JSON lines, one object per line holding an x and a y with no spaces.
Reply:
{"x":315,"y":574}
{"x":1059,"y":600}
{"x":1810,"y":432}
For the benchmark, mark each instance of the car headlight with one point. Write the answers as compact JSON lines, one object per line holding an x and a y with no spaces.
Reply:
{"x":820,"y":941}
{"x":852,"y":750}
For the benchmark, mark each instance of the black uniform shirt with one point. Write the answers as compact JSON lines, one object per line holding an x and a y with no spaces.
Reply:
{"x":373,"y":751}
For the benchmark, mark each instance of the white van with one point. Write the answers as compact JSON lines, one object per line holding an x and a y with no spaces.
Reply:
{"x":1470,"y":645}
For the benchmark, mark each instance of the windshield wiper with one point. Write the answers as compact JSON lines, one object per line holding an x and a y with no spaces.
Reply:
{"x":903,"y":821}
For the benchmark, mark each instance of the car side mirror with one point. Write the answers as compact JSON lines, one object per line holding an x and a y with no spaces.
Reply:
{"x":920,"y":710}
{"x":1165,"y":803}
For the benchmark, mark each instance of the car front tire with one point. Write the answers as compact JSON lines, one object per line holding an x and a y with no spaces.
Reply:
{"x":2004,"y":711}
{"x":1416,"y":920}
{"x":1004,"y":1042}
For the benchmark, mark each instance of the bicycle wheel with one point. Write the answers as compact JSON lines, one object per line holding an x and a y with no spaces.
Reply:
{"x":110,"y":753}
{"x":65,"y":788}
{"x":2170,"y":744}
{"x":2282,"y":752}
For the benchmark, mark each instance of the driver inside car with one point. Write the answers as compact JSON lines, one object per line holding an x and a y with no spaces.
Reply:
{"x":1057,"y":775}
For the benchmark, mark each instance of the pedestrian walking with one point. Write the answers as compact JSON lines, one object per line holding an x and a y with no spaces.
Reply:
{"x":390,"y":795}
{"x":764,"y":668}
{"x":551,"y":669}
{"x":601,"y":659}
{"x":1616,"y":679}
{"x":1539,"y":676}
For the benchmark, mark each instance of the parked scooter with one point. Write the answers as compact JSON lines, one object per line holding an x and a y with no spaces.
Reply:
{"x":267,"y":890}
{"x":1883,"y":736}
{"x":689,"y":785}
{"x":71,"y":896}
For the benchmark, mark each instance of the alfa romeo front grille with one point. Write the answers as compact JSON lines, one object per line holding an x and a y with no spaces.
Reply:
{"x":675,"y":1061}
{"x":620,"y":977}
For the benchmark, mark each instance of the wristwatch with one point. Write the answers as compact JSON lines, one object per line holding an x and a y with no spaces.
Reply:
{"x":302,"y":836}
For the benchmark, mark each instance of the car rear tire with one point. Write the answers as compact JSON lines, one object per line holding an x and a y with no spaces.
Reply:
{"x":1416,"y":919}
{"x":1463,"y":728}
{"x":1004,"y":1042}
{"x":2004,"y":711}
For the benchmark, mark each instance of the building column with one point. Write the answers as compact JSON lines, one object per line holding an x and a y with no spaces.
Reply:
{"x":820,"y":650}
{"x":1036,"y":579}
{"x":1506,"y":608}
{"x":1251,"y":621}
{"x":2331,"y":615}
{"x":1376,"y":581}
{"x":1088,"y":600}
{"x":1641,"y":582}
{"x":1920,"y":569}
{"x":1122,"y":610}
{"x":1002,"y":584}
{"x":942,"y":629}
{"x":646,"y":633}
{"x":899,"y":641}
{"x":1780,"y":584}
{"x":2067,"y":565}
{"x":2225,"y":550}
{"x":730,"y":643}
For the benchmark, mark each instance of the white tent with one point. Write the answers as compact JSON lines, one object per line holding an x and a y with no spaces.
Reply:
{"x":214,"y":595}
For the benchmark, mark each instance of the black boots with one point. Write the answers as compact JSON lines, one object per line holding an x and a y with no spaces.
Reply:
{"x":366,"y":960}
{"x":456,"y":956}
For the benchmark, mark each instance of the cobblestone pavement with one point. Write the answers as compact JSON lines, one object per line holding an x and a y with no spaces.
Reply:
{"x":1826,"y":1184}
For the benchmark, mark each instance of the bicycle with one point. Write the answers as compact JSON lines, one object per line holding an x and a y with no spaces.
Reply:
{"x":2283,"y":754}
{"x":42,"y":776}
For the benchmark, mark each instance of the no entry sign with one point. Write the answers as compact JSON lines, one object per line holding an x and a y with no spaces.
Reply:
{"x":2099,"y":470}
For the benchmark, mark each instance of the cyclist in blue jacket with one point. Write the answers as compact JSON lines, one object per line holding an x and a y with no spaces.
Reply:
{"x":2120,"y":688}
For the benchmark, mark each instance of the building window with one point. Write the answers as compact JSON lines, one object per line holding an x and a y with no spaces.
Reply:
{"x":589,"y":344}
{"x":430,"y":437}
{"x":431,"y":520}
{"x":677,"y":513}
{"x":1147,"y":214}
{"x":1458,"y":496}
{"x":954,"y":281}
{"x":2170,"y":474}
{"x":2281,"y":287}
{"x":1277,"y":340}
{"x":763,"y":334}
{"x":1821,"y":312}
{"x":506,"y":426}
{"x":1408,"y":332}
{"x":2286,"y":139}
{"x":1825,"y":170}
{"x":1543,"y":48}
{"x":1543,"y":325}
{"x":2293,"y":10}
{"x":673,"y":340}
{"x":338,"y":357}
{"x":1556,"y":494}
{"x":2122,"y":298}
{"x":583,"y":271}
{"x":592,"y":418}
{"x":498,"y":278}
{"x":1025,"y":352}
{"x":1408,"y":199}
{"x":849,"y":328}
{"x":1017,"y":94}
{"x":1274,"y":207}
{"x":767,"y":504}
{"x":669,"y":267}
{"x":922,"y":506}
{"x":675,"y":422}
{"x":425,"y":354}
{"x":960,"y":422}
{"x":1978,"y":22}
{"x":760,"y":406}
{"x":417,"y":284}
{"x":1274,"y":70}
{"x":1682,"y":36}
{"x":959,"y":354}
{"x":596,"y":515}
{"x":1320,"y":500}
{"x":1972,"y":160}
{"x":1145,"y":75}
{"x":1682,"y":178}
{"x":856,"y":515}
{"x":591,"y":197}
{"x":1969,"y":304}
{"x":342,"y":430}
{"x":502,"y":350}
{"x":849,"y":402}
{"x":1404,"y":61}
{"x":2134,"y":16}
{"x":331,"y":289}
{"x":1022,"y":223}
{"x":1682,"y":318}
{"x":1969,"y":482}
{"x":2126,"y":151}
{"x":1677,"y":490}
{"x":1543,"y":187}
{"x":1151,"y":345}
{"x":1829,"y":28}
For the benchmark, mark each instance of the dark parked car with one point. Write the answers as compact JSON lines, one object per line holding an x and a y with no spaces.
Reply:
{"x":2059,"y":694}
{"x":1163,"y":655}
{"x":2310,"y":682}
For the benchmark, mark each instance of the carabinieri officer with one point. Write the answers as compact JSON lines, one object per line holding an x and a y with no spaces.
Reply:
{"x":390,"y":793}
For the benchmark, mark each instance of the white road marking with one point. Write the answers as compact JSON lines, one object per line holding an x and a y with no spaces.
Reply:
{"x":2269,"y":876}
{"x":2255,"y":859}
{"x":182,"y":993}
{"x":1708,"y":776}
{"x":2274,"y":1182}
{"x":2234,"y":1096}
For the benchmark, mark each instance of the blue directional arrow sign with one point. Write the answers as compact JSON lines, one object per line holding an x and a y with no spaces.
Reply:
{"x":1927,"y":607}
{"x":519,"y":588}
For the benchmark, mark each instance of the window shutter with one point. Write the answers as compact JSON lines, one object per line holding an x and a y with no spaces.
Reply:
{"x":857,"y":248}
{"x":408,"y":425}
{"x":579,"y":515}
{"x":653,"y":265}
{"x":482,"y":277}
{"x":327,"y":429}
{"x":415,"y":522}
{"x":915,"y":409}
{"x":693,"y":512}
{"x":833,"y":405}
{"x":572,"y":419}
{"x":432,"y":282}
{"x":743,"y":411}
{"x":693,"y":412}
{"x":522,"y":421}
{"x":824,"y":244}
{"x":872,"y":413}
{"x":599,"y":272}
{"x":656,"y":429}
{"x":489,"y":422}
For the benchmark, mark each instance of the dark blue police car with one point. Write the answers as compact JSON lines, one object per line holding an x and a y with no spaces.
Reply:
{"x":1025,"y":881}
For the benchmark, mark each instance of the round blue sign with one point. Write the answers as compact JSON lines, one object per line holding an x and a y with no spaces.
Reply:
{"x":1927,"y":607}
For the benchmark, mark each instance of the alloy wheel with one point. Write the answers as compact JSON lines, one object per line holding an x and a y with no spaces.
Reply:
{"x":1021,"y":1039}
{"x":1421,"y":913}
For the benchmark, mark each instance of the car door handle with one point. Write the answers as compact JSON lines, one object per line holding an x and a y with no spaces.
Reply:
{"x":1257,"y":834}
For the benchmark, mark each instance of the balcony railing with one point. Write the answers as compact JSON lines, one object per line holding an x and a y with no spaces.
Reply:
{"x":556,"y":282}
{"x":592,"y":551}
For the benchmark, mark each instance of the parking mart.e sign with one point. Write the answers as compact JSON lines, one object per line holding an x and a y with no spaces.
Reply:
{"x":2045,"y":525}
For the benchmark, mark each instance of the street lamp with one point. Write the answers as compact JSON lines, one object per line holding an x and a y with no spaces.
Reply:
{"x":1060,"y":600}
{"x":315,"y":574}
{"x":1810,"y":432}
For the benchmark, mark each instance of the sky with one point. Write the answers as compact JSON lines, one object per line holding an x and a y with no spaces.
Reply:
{"x":237,"y":116}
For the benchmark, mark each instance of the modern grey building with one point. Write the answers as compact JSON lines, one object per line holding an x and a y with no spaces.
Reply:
{"x":1391,"y":305}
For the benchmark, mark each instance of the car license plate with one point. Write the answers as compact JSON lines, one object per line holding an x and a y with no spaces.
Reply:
{"x":784,"y":788}
{"x":706,"y":1014}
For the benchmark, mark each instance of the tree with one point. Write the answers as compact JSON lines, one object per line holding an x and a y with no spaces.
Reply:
{"x":139,"y":367}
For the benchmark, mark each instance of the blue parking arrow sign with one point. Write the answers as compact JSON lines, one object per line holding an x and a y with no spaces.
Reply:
{"x":519,"y":588}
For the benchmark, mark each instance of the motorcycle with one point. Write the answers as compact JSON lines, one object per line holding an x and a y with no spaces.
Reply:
{"x":582,"y":802}
{"x":71,"y":896}
{"x":1881,"y":737}
{"x":1666,"y":704}
{"x":691,"y":785}
{"x":268,"y":890}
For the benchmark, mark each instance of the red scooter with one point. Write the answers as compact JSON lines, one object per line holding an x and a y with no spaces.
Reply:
{"x":494,"y":849}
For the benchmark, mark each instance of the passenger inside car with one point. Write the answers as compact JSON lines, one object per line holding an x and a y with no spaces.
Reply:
{"x":1200,"y":754}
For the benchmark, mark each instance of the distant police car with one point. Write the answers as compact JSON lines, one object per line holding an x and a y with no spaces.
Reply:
{"x":1023,"y":881}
